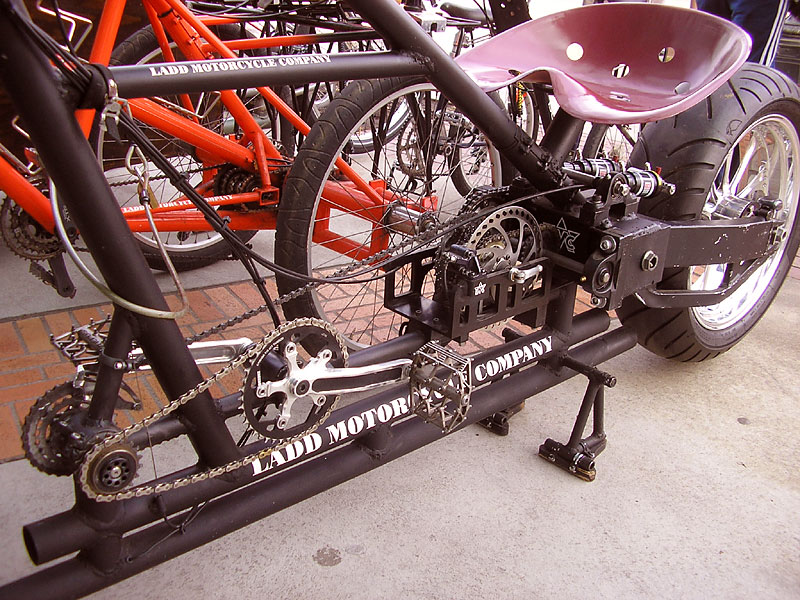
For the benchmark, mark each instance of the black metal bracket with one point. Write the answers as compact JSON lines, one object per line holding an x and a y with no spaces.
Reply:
{"x":578,"y":455}
{"x":498,"y":422}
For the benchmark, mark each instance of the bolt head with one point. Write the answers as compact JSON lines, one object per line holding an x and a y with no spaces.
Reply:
{"x":649,"y":261}
{"x":608,"y":244}
{"x":598,"y":302}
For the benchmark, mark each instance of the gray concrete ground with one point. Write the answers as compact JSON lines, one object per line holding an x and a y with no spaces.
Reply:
{"x":23,"y":295}
{"x":697,"y":496}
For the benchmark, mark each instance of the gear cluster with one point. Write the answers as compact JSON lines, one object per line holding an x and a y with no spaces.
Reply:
{"x":23,"y":234}
{"x":500,"y":237}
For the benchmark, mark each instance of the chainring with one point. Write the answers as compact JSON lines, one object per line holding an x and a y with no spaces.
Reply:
{"x":24,"y":236}
{"x":506,"y":237}
{"x":50,"y":443}
{"x":276,"y":397}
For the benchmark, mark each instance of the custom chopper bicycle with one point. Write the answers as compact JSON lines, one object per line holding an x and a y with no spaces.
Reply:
{"x":689,"y":247}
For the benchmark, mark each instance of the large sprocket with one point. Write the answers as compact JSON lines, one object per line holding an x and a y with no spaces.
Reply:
{"x":24,"y":236}
{"x":277,"y":396}
{"x":505,"y":237}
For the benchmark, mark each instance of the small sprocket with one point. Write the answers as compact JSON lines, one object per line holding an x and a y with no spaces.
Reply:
{"x":50,"y":441}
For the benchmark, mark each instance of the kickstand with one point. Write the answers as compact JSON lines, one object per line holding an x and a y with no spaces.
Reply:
{"x":578,"y":454}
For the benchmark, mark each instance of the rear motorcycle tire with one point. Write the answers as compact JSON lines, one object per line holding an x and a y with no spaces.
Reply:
{"x":740,"y":143}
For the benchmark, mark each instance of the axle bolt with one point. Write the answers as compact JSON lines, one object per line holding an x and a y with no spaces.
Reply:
{"x":620,"y":188}
{"x":598,"y":302}
{"x":649,"y":261}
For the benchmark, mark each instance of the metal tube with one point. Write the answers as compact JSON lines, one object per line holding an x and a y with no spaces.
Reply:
{"x":583,"y":414}
{"x":64,"y":150}
{"x":76,"y":577}
{"x":62,"y":534}
{"x":247,"y":72}
{"x":118,"y":345}
{"x":562,"y":135}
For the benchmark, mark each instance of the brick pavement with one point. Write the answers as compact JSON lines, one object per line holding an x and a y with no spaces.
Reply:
{"x":30,"y":366}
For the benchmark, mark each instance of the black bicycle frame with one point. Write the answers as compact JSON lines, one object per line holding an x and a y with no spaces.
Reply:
{"x":100,"y":532}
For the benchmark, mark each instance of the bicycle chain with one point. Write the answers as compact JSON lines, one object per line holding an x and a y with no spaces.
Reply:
{"x":249,"y":354}
{"x":162,"y":176}
{"x":122,"y":436}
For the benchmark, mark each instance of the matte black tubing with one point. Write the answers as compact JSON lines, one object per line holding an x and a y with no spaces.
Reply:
{"x":220,"y":517}
{"x":28,"y":79}
{"x":137,"y":81}
{"x":399,"y":347}
{"x":562,"y":135}
{"x":66,"y":532}
{"x":509,"y":13}
{"x":402,"y":32}
{"x":106,"y":390}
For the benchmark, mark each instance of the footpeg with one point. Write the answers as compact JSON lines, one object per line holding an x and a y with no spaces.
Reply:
{"x":579,"y":461}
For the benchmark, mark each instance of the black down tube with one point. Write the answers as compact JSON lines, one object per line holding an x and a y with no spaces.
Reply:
{"x":154,"y":545}
{"x":29,"y":80}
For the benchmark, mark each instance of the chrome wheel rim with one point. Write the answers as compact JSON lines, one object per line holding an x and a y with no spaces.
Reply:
{"x":763,"y":162}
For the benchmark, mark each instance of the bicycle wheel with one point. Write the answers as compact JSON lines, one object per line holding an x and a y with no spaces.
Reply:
{"x":614,"y":142}
{"x":187,"y":250}
{"x":723,"y":155}
{"x":324,"y":225}
{"x":475,"y":162}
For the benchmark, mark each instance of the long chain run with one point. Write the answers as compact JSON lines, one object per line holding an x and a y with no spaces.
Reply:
{"x":121,"y":436}
{"x":147,"y":489}
{"x":431,"y":234}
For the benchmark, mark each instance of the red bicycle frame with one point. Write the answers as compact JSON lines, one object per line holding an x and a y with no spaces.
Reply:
{"x":253,"y":151}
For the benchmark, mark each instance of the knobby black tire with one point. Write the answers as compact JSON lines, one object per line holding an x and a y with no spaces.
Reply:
{"x":131,"y":51}
{"x":690,"y":150}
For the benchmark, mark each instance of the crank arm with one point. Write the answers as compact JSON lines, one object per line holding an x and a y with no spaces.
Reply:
{"x":204,"y":353}
{"x":359,"y":379}
{"x":316,"y":380}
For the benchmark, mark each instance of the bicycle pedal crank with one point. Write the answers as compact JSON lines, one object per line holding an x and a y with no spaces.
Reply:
{"x":301,"y":370}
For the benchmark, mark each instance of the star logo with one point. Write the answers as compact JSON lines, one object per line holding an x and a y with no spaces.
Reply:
{"x":480,"y":288}
{"x":566,"y":236}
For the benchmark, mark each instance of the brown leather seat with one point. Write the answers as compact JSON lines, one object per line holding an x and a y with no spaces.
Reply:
{"x":615,"y":63}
